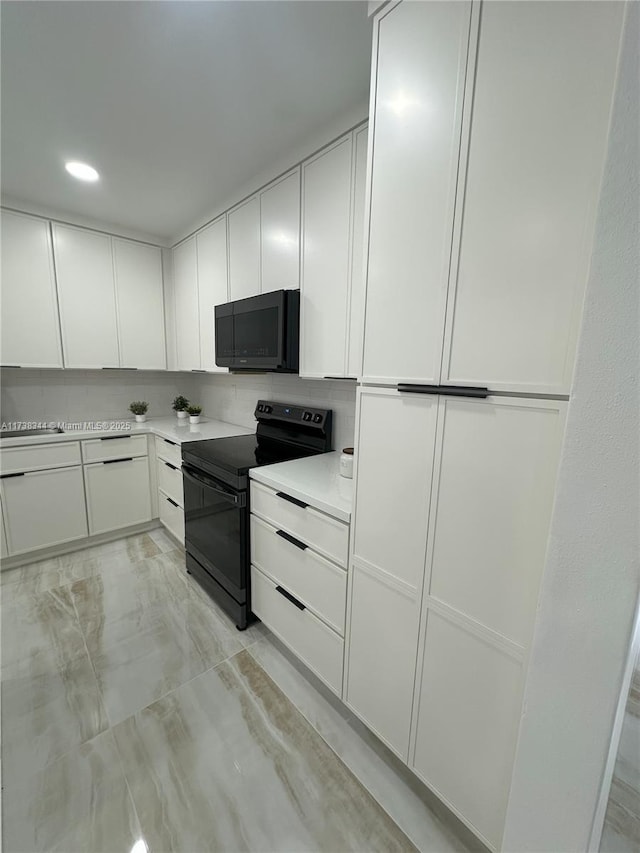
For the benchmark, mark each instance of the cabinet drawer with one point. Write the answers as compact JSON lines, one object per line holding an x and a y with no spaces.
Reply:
{"x":170,"y":481}
{"x":114,"y":447}
{"x":307,"y":637}
{"x":118,"y":494}
{"x":171,"y":516}
{"x":169,"y":451}
{"x":315,"y":581}
{"x":44,"y":508}
{"x":324,"y":534}
{"x":37,"y":457}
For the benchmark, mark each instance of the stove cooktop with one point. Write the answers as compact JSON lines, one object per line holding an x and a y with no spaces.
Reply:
{"x":239,"y":453}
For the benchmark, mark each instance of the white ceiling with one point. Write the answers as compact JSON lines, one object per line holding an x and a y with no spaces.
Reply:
{"x":177,"y":104}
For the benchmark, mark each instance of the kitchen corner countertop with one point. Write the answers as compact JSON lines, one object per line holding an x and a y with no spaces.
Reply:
{"x":315,"y":480}
{"x":169,"y":428}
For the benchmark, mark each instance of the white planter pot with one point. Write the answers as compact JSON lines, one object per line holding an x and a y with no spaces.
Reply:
{"x":140,"y":419}
{"x":182,"y":415}
{"x":194,"y":419}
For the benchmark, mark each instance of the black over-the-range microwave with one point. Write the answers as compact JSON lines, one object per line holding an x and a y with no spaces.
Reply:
{"x":259,"y":333}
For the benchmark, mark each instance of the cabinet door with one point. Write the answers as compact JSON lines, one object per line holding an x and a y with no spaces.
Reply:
{"x":43,"y":508}
{"x":419,"y":84}
{"x":395,"y":441}
{"x":543,"y":89}
{"x":30,"y":325}
{"x":357,"y":286}
{"x":496,"y":464}
{"x":3,"y":536}
{"x":212,"y":287}
{"x":280,"y":234}
{"x":326,"y":212}
{"x":84,"y":266}
{"x":244,"y":250}
{"x":185,"y":290}
{"x":138,"y":271}
{"x":118,"y":494}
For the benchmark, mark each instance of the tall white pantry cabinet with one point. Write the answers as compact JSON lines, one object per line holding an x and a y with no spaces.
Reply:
{"x":489,"y":131}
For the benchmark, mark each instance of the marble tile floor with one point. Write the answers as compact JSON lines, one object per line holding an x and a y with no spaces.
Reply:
{"x":134,"y":711}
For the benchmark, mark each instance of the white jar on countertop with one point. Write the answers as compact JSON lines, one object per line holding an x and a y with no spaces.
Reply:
{"x":346,"y":462}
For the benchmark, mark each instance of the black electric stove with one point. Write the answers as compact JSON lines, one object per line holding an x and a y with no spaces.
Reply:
{"x":216,"y":495}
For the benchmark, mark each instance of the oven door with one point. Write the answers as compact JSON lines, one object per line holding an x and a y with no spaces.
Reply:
{"x":216,"y":530}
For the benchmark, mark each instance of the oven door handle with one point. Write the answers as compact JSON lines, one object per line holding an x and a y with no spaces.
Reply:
{"x":238,"y":500}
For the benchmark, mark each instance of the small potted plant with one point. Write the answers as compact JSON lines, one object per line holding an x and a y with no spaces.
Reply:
{"x":194,"y":414}
{"x":139,"y":409}
{"x":180,"y":407}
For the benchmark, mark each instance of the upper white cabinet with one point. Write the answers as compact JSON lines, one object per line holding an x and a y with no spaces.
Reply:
{"x":357,"y":288}
{"x":30,"y":334}
{"x":544,"y":80}
{"x":419,"y":85}
{"x":187,"y":316}
{"x":332,"y":202}
{"x":84,"y":267}
{"x":244,"y":250}
{"x":280,"y":234}
{"x":492,"y":295}
{"x":211,"y":245}
{"x":140,"y":305}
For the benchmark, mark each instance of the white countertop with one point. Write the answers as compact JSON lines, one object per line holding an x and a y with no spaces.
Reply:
{"x":169,"y":427}
{"x":314,"y":480}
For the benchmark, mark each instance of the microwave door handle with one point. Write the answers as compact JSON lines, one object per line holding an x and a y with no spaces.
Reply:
{"x":209,"y":484}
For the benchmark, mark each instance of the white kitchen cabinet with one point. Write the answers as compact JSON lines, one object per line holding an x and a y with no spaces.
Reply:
{"x":357,"y":284}
{"x":84,"y":269}
{"x":395,"y":439}
{"x":187,"y":316}
{"x":280,"y":234}
{"x":171,"y":516}
{"x":4,"y":551}
{"x":43,"y":508}
{"x":326,"y":239}
{"x":544,"y":80}
{"x":30,"y":333}
{"x":140,"y":305}
{"x":421,"y":55}
{"x":211,"y":245}
{"x":118,"y":494}
{"x":244,"y":250}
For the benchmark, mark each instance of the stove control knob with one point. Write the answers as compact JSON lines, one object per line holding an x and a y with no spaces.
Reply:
{"x":306,"y":416}
{"x":317,"y":419}
{"x":260,"y":408}
{"x":268,"y":410}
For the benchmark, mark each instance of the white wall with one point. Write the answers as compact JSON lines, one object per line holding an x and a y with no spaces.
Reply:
{"x":86,"y":395}
{"x":591,"y":581}
{"x":232,"y":398}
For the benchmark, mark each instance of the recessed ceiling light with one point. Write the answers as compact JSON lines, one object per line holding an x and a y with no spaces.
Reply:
{"x":81,"y":171}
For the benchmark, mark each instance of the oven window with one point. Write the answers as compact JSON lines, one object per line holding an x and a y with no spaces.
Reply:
{"x":256,"y":334}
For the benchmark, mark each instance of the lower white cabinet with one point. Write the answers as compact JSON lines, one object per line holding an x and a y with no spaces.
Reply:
{"x":170,"y":487}
{"x":171,"y":516}
{"x":118,"y":494}
{"x":43,"y":508}
{"x":4,"y":551}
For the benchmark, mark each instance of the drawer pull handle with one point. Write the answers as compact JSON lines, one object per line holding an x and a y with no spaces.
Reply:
{"x":173,"y":503}
{"x":291,"y":598}
{"x":291,"y":500}
{"x":450,"y":390}
{"x":292,"y":539}
{"x":113,"y":461}
{"x":169,"y":465}
{"x":6,"y":476}
{"x":172,"y":443}
{"x":114,"y":437}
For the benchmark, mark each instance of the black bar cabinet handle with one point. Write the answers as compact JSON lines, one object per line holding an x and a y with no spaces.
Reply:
{"x":6,"y":476}
{"x":113,"y":461}
{"x":114,"y":437}
{"x":291,"y":500}
{"x":173,"y":503}
{"x":291,"y":598}
{"x":450,"y":390}
{"x":292,"y":539}
{"x":166,"y":441}
{"x":169,"y":465}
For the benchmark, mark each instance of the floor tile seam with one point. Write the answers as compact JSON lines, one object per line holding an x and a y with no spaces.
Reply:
{"x":440,"y":824}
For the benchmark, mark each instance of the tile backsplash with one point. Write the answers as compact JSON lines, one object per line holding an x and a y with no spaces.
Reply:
{"x":87,"y":395}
